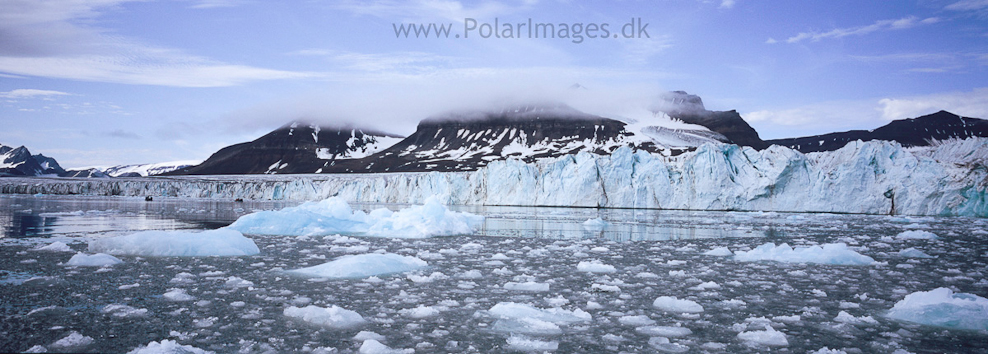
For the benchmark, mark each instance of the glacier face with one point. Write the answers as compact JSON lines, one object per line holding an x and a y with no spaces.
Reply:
{"x":873,"y":177}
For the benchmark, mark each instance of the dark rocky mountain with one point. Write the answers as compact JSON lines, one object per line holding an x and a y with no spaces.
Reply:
{"x":88,"y":173}
{"x":919,"y":131}
{"x":296,"y":147}
{"x":689,"y":109}
{"x":464,"y":141}
{"x":19,"y":162}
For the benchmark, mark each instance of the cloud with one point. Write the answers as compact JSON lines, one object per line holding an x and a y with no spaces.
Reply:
{"x":968,"y":5}
{"x":120,"y":133}
{"x":969,"y":104}
{"x":212,"y":4}
{"x":726,"y":4}
{"x":425,"y":10}
{"x":883,"y":25}
{"x":56,"y":39}
{"x":31,"y":93}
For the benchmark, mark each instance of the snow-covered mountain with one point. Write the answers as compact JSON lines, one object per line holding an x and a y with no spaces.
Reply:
{"x":689,"y":109}
{"x":19,"y":162}
{"x":296,"y":147}
{"x":921,"y":131}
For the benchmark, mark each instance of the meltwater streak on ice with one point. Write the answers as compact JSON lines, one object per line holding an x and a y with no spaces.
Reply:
{"x":862,"y":177}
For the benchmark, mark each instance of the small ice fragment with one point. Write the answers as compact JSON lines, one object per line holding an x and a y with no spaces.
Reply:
{"x":333,"y":316}
{"x":220,"y":242}
{"x":831,"y":253}
{"x":371,"y":346}
{"x":640,"y":320}
{"x":942,"y":307}
{"x":178,"y":295}
{"x":363,"y":265}
{"x":595,"y":267}
{"x":73,"y":340}
{"x":420,"y":312}
{"x":913,"y":253}
{"x":526,"y":344}
{"x":166,"y":347}
{"x":672,"y":304}
{"x":916,"y":235}
{"x":97,"y":260}
{"x":769,"y":337}
{"x":365,"y":335}
{"x":56,"y":246}
{"x":526,"y":286}
{"x":719,"y":252}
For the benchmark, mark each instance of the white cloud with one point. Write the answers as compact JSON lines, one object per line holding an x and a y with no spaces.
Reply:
{"x":969,"y":104}
{"x":425,"y":10}
{"x":31,"y":93}
{"x":56,"y":39}
{"x":898,"y":24}
{"x":212,"y":4}
{"x":726,"y":4}
{"x":968,"y":5}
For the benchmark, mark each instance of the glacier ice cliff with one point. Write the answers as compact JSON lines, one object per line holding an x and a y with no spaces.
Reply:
{"x":876,"y":177}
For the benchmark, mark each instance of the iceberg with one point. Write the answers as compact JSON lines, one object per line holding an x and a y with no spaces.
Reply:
{"x":220,"y":242}
{"x":363,"y":265}
{"x":97,"y":260}
{"x":334,"y":215}
{"x":673,"y":304}
{"x":862,"y":177}
{"x":916,"y":235}
{"x":913,"y":253}
{"x":769,"y":337}
{"x":831,"y":253}
{"x":942,"y":307}
{"x":333,"y":316}
{"x":521,"y":318}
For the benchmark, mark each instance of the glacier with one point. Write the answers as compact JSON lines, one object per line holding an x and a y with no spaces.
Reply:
{"x":875,"y":177}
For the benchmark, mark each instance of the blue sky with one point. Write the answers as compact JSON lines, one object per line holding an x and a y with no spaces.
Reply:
{"x":104,"y":82}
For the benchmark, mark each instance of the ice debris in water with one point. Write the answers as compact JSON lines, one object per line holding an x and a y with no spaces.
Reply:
{"x":372,"y":346}
{"x":526,"y":344}
{"x":521,"y":318}
{"x":719,"y":252}
{"x":916,"y":235}
{"x":595,"y":224}
{"x":334,"y":215}
{"x":73,"y":340}
{"x":56,"y":246}
{"x":220,"y":242}
{"x":333,"y":316}
{"x":97,"y":260}
{"x":363,"y":265}
{"x":168,"y":347}
{"x":831,"y":253}
{"x":769,"y":337}
{"x":672,"y":304}
{"x":943,"y":308}
{"x":913,"y":253}
{"x":595,"y":266}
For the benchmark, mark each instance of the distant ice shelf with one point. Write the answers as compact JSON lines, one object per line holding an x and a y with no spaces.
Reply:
{"x":873,"y":177}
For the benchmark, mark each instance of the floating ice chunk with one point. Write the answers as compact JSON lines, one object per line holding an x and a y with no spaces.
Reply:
{"x":220,"y":242}
{"x":769,"y":337}
{"x":943,"y":308}
{"x":363,"y":265}
{"x":916,"y":235}
{"x":420,"y":312}
{"x":119,"y":310}
{"x":178,"y":295}
{"x":719,"y":252}
{"x":844,"y":317}
{"x":526,"y":344}
{"x":372,"y":346}
{"x":526,"y":286}
{"x":36,"y":349}
{"x":365,"y":335}
{"x":662,"y":344}
{"x":73,"y":340}
{"x":97,"y":260}
{"x":520,"y":318}
{"x":238,"y":282}
{"x":333,"y":316}
{"x":706,"y":286}
{"x":56,"y":246}
{"x":427,"y":279}
{"x":639,"y":320}
{"x":334,"y":215}
{"x":604,"y":288}
{"x":595,"y":267}
{"x":672,"y":304}
{"x":826,"y":350}
{"x":168,"y":347}
{"x":913,"y":253}
{"x":831,"y":253}
{"x":664,"y":331}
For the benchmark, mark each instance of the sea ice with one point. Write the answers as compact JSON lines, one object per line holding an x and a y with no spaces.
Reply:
{"x":595,"y":267}
{"x":913,"y":253}
{"x":220,"y":242}
{"x":769,"y":337}
{"x":719,"y":252}
{"x":178,"y":295}
{"x":943,"y":308}
{"x":333,"y":316}
{"x":526,"y":286}
{"x":521,"y":318}
{"x":526,"y":344}
{"x":363,"y":265}
{"x":73,"y":340}
{"x":168,"y":347}
{"x":672,"y":304}
{"x":831,"y":253}
{"x":97,"y":260}
{"x":916,"y":235}
{"x":372,"y":346}
{"x":56,"y":246}
{"x":334,"y":215}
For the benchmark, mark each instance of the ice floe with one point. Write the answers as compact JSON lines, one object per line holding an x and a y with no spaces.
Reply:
{"x":363,"y":265}
{"x":220,"y":242}
{"x":943,"y":308}
{"x":831,"y":253}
